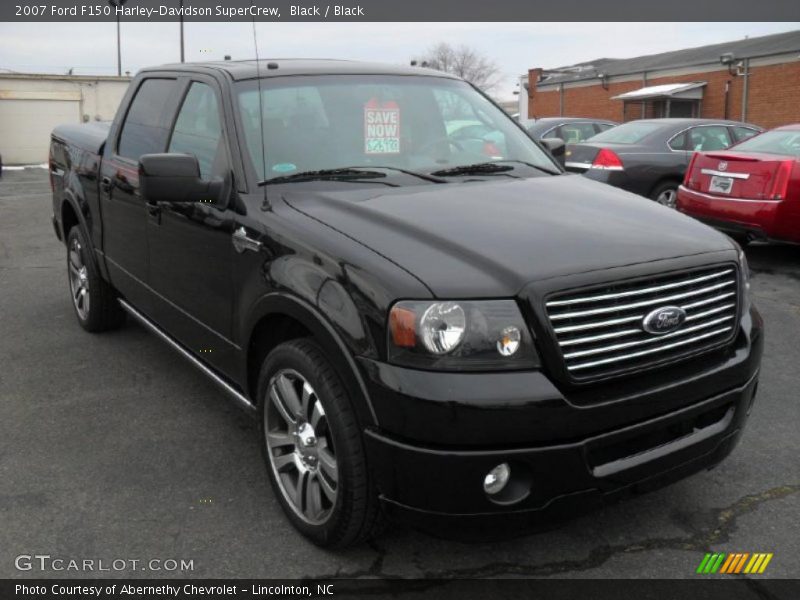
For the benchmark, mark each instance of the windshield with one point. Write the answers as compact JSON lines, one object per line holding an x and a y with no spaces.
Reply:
{"x":627,"y":133}
{"x":421,"y":124}
{"x":773,"y":142}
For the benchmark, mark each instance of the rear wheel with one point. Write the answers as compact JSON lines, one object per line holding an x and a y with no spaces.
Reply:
{"x":93,"y":299}
{"x":666,"y":194}
{"x":313,"y":448}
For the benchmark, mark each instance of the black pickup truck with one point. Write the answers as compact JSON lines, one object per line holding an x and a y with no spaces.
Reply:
{"x":428,"y":322}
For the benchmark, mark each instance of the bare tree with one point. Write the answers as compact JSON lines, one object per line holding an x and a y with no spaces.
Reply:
{"x":464,"y":62}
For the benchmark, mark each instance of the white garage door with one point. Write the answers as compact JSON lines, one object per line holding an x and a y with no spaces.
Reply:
{"x":26,"y":124}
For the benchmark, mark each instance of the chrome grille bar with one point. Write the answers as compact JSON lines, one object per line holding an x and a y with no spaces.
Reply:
{"x":626,"y":332}
{"x":601,"y":332}
{"x":639,"y":292}
{"x":690,"y":340}
{"x":608,"y":309}
{"x":650,"y":340}
{"x":610,"y":322}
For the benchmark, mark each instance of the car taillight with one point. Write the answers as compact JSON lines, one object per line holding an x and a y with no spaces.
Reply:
{"x":781,"y":185}
{"x":607,"y":160}
{"x":688,"y":179}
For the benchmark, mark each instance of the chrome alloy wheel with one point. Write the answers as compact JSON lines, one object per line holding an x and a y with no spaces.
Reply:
{"x":300,"y":447}
{"x":78,"y":280}
{"x":668,"y":198}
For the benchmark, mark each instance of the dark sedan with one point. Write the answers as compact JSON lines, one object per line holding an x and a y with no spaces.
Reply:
{"x":650,"y":157}
{"x":570,"y":129}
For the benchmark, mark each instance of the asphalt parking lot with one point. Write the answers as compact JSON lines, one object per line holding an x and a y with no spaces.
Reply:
{"x":112,"y":446}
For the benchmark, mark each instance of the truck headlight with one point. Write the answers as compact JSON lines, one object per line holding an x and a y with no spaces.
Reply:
{"x":442,"y":327}
{"x":458,"y":335}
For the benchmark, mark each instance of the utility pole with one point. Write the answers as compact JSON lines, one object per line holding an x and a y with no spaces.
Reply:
{"x":181,"y":18}
{"x":115,"y":4}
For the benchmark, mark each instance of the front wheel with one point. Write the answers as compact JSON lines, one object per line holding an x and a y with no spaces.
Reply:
{"x":666,"y":194}
{"x":93,"y":299}
{"x":313,"y":448}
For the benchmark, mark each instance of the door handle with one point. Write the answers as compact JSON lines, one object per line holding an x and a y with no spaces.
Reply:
{"x":106,"y":184}
{"x":242,"y":242}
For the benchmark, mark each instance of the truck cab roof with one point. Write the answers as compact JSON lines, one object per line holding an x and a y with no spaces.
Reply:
{"x":240,"y":70}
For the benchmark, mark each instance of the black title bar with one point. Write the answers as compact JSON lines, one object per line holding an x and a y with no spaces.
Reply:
{"x":400,"y":10}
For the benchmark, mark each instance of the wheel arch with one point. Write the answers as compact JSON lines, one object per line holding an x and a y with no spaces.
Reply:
{"x":72,"y":213}
{"x":671,"y":178}
{"x":279,"y":317}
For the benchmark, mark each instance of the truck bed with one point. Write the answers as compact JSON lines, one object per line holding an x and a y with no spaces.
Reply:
{"x":86,"y":136}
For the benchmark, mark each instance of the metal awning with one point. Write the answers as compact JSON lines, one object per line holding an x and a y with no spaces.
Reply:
{"x":675,"y":91}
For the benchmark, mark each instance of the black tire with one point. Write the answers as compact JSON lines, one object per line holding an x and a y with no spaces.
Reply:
{"x":740,"y":238}
{"x":355,"y":514}
{"x":95,"y":304}
{"x":666,"y":194}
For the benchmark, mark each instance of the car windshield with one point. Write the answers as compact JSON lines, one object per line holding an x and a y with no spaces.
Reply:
{"x":627,"y":133}
{"x":773,"y":142}
{"x":418,"y":124}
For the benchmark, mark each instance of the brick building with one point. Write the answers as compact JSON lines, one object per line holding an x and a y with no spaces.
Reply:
{"x":754,"y":79}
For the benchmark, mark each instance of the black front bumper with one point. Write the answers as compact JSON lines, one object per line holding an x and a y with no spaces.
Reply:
{"x":563,"y":470}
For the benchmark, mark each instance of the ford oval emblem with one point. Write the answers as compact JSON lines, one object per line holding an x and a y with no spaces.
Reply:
{"x":723,"y":166}
{"x":664,"y":320}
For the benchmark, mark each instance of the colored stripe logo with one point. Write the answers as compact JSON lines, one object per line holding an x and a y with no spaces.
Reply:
{"x":734,"y":563}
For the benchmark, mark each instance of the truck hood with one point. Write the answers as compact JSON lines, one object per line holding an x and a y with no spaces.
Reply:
{"x":482,"y":239}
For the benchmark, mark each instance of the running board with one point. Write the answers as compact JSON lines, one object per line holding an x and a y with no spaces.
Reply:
{"x":226,"y":387}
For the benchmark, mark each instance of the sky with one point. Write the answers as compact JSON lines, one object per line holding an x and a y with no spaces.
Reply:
{"x":90,"y":48}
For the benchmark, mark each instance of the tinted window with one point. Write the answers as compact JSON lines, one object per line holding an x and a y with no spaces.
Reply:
{"x":742,"y":133}
{"x":773,"y":142}
{"x":572,"y":133}
{"x":679,"y":141}
{"x":197,"y":129}
{"x":143,"y":131}
{"x":627,"y":133}
{"x":711,"y":137}
{"x":603,"y":126}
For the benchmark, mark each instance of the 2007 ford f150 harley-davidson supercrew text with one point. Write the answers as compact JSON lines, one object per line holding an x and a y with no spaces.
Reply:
{"x":431,"y":319}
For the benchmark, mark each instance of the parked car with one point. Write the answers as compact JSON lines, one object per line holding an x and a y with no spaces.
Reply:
{"x":751,"y":191}
{"x":418,"y":329}
{"x":570,"y":129}
{"x":649,"y":157}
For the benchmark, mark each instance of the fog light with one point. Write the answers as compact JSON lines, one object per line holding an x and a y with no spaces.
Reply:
{"x":509,"y":341}
{"x":496,"y":479}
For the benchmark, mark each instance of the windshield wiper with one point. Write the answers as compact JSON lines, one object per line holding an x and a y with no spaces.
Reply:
{"x":495,"y":166}
{"x":531,"y":165}
{"x":426,"y":176}
{"x":345,"y":174}
{"x":476,"y":169}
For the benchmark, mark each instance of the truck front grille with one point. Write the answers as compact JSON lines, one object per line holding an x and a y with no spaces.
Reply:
{"x":600,"y":331}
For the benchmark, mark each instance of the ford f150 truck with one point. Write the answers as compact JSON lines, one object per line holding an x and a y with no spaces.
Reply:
{"x":428,"y":322}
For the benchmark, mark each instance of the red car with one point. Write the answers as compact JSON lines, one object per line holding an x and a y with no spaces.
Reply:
{"x":750,"y":191}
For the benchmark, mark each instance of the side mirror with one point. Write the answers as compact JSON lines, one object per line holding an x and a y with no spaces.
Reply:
{"x":175,"y":178}
{"x":557,"y":148}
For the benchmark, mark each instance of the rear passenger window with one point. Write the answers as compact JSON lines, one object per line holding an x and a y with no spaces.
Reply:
{"x":572,"y":133}
{"x":198,"y":130}
{"x":712,"y":137}
{"x":742,"y":133}
{"x":143,"y":131}
{"x":679,"y":141}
